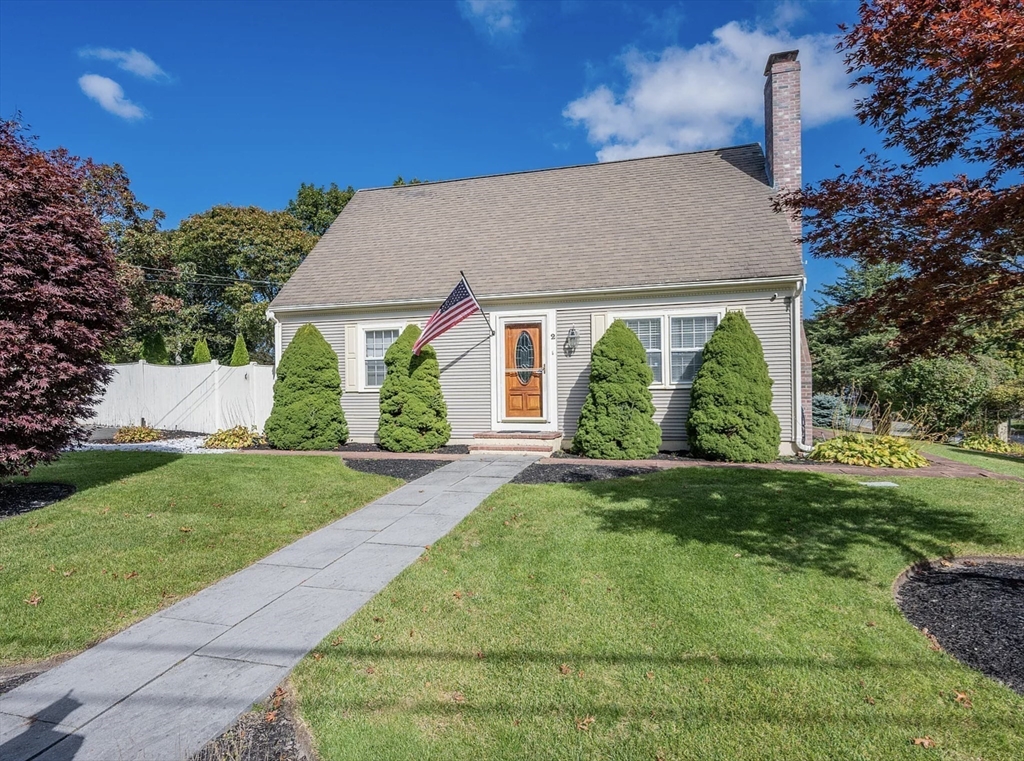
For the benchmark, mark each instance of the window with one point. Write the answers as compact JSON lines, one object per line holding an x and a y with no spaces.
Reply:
{"x":377,"y":343}
{"x":648,"y":330}
{"x":689,"y":334}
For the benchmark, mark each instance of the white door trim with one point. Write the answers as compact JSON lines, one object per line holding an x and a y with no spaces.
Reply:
{"x":549,"y":381}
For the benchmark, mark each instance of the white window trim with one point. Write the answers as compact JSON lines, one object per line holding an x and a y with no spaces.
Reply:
{"x":666,"y":334}
{"x":361,"y":330}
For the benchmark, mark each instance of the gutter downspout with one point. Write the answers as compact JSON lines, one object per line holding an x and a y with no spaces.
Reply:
{"x":798,"y":420}
{"x":277,"y":339}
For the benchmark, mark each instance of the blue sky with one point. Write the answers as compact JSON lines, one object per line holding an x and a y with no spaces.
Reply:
{"x":225,"y":102}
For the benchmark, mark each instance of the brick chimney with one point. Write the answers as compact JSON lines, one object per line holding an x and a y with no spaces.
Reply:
{"x":782,"y":125}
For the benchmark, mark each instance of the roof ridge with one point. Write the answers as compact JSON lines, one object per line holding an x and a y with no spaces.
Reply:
{"x":560,"y":168}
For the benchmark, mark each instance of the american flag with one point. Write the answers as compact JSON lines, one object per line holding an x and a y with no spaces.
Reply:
{"x":459,"y":305}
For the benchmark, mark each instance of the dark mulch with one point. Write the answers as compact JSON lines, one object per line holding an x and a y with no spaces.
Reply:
{"x":680,"y":455}
{"x":576,"y":474}
{"x":396,"y":468}
{"x":8,"y":683}
{"x":355,"y":447}
{"x":975,"y":610}
{"x":267,"y":734}
{"x":19,"y":498}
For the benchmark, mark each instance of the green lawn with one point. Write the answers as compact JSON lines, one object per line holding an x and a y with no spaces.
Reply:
{"x":997,"y":463}
{"x":145,"y":528}
{"x":690,"y":614}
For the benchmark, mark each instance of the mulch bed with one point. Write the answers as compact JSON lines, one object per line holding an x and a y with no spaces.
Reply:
{"x":16,"y":499}
{"x":394,"y":467}
{"x":164,"y":436}
{"x":553,"y":473}
{"x":355,"y":447}
{"x":268,"y":734}
{"x":974,"y":610}
{"x":680,"y":455}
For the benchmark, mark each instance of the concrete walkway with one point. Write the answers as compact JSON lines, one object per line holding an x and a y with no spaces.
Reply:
{"x":163,"y":688}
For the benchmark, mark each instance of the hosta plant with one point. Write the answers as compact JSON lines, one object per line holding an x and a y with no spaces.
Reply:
{"x":135,"y":434}
{"x":991,"y":444}
{"x":238,"y":437}
{"x":872,"y":451}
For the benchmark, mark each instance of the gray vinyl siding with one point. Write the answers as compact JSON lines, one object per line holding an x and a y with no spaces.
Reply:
{"x":464,"y":357}
{"x":771,"y":321}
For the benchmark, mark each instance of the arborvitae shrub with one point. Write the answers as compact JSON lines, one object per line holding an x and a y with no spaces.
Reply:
{"x":201,"y":352}
{"x":617,"y":419}
{"x":413,"y":414}
{"x":154,"y":350}
{"x":307,"y":410}
{"x":731,"y":414}
{"x":240,"y":356}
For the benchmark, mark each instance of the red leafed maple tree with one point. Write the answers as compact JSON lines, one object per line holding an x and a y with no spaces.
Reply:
{"x":60,"y":301}
{"x":944,"y":85}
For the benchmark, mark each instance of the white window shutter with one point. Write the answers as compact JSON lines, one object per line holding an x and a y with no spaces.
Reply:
{"x":351,"y":381}
{"x":598,"y":325}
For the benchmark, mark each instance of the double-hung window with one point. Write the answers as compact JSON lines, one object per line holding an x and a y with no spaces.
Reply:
{"x":688,"y":336}
{"x":375,"y":344}
{"x":648,"y":330}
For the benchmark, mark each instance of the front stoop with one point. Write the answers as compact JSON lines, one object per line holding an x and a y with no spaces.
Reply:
{"x":517,"y":442}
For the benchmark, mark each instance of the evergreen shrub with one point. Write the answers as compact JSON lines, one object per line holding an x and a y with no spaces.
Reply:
{"x":617,"y":419}
{"x":731,"y":414}
{"x":413,"y":413}
{"x":307,"y":410}
{"x":240,"y":355}
{"x":201,"y":352}
{"x":154,"y":350}
{"x":829,"y":411}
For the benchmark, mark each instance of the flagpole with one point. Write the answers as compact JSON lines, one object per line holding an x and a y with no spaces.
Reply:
{"x":482,"y":312}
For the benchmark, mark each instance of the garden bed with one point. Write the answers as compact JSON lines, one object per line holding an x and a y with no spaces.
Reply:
{"x":974,"y":610}
{"x":19,"y":498}
{"x":396,"y":467}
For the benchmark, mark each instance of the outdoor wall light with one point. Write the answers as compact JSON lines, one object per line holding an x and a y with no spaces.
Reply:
{"x":572,"y":340}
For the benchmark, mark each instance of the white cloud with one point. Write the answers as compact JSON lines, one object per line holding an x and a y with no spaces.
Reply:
{"x":686,"y":99}
{"x":133,"y":60}
{"x":110,"y":96}
{"x":497,"y":18}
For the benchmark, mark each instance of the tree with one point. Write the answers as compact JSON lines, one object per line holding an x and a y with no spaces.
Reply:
{"x":240,"y":355}
{"x":943,"y":83}
{"x":400,"y":182}
{"x":850,"y":359}
{"x":231,"y":262}
{"x":307,"y":410}
{"x":60,"y":301}
{"x":317,"y":207}
{"x":731,"y":415}
{"x":617,"y":418}
{"x":201,"y":352}
{"x":413,"y":413}
{"x":154,"y":350}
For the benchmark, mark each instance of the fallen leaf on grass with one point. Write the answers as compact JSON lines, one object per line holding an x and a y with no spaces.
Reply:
{"x":579,"y":674}
{"x":564,"y":669}
{"x":458,"y":697}
{"x":457,"y":594}
{"x":52,"y":569}
{"x":962,"y":699}
{"x":66,"y":573}
{"x":337,"y":641}
{"x":371,"y":670}
{"x":377,"y":637}
{"x":871,"y":623}
{"x":933,"y":643}
{"x":869,"y":700}
{"x":317,"y":656}
{"x":479,"y":654}
{"x":583,"y":725}
{"x":131,"y":575}
{"x":650,"y":675}
{"x":924,"y":742}
{"x":34,"y":599}
{"x":378,"y":619}
{"x":185,"y":529}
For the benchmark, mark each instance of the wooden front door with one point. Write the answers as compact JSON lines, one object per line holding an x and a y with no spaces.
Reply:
{"x":524,"y":370}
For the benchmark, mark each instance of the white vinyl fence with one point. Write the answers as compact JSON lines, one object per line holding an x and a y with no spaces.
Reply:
{"x":202,"y":398}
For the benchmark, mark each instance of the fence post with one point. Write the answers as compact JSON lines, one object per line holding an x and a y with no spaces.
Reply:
{"x":216,"y":395}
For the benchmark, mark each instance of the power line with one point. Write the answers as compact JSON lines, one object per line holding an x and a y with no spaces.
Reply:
{"x":199,"y":277}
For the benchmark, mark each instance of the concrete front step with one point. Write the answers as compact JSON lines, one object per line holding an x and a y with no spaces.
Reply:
{"x":542,"y":443}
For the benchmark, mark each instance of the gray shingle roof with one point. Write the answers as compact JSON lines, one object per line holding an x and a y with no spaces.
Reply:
{"x":685,"y":218}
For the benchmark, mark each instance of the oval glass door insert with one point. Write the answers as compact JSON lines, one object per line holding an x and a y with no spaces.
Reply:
{"x":524,"y":357}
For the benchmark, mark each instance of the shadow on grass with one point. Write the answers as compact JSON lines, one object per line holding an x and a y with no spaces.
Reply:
{"x":797,"y":520}
{"x":89,"y":469}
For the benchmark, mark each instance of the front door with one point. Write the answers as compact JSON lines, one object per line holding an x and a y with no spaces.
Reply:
{"x":524,"y":370}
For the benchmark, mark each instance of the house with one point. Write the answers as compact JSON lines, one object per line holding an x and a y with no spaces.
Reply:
{"x":669,"y":244}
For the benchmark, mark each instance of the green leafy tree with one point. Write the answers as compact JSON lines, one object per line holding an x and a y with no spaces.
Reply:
{"x":240,"y":355}
{"x":413,"y":413}
{"x":201,"y":352}
{"x":154,"y":350}
{"x":731,"y":415}
{"x":307,"y":410}
{"x":617,"y":418}
{"x":317,"y":207}
{"x":232,"y":262}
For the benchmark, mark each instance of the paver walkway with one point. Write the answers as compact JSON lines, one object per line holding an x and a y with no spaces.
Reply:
{"x":163,"y":688}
